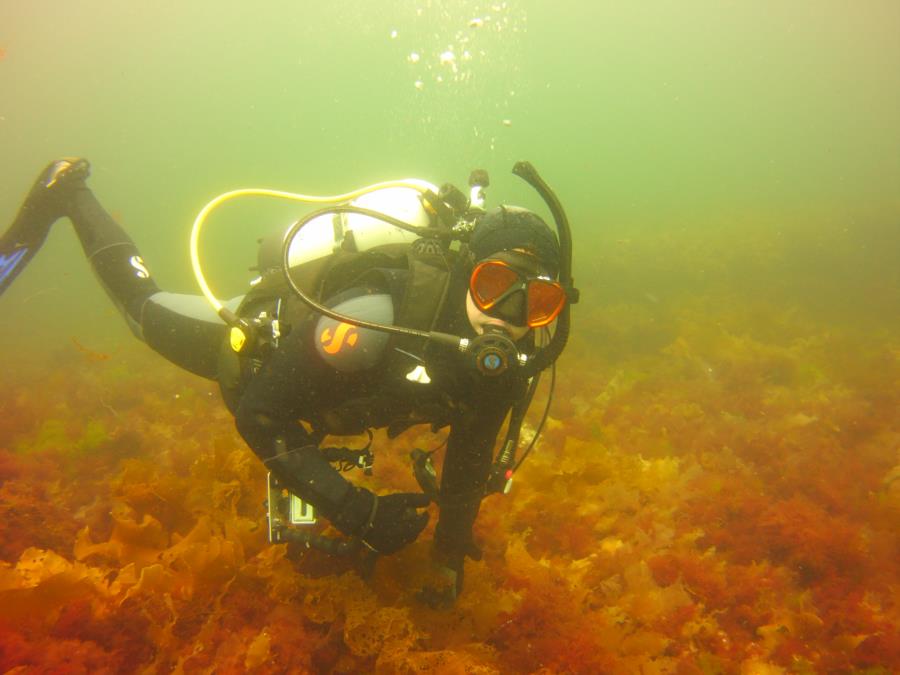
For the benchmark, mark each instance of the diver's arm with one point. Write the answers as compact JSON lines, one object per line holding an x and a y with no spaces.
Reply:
{"x":267,"y":416}
{"x":286,"y":390}
{"x":385,"y":524}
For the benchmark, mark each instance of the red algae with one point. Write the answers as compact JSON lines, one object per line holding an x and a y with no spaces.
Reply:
{"x":709,"y":496}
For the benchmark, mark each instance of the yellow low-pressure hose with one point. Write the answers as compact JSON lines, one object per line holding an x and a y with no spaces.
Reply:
{"x":419,"y":185}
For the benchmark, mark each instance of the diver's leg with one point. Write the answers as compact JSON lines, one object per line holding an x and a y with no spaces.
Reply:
{"x":47,"y":201}
{"x":113,"y":256}
{"x":60,"y":190}
{"x":185,"y":329}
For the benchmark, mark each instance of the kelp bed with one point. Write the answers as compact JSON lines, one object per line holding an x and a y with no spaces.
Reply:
{"x":717,"y":491}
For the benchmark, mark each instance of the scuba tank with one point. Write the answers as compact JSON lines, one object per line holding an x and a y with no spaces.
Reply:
{"x":329,"y":233}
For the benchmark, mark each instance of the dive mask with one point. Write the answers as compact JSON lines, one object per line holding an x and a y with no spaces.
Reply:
{"x":512,"y":287}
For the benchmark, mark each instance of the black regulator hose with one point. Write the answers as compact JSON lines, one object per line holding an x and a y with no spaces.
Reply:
{"x":397,"y":330}
{"x":548,"y":355}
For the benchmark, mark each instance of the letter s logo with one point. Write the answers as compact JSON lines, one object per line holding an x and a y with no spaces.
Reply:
{"x":138,"y":264}
{"x":345,"y":335}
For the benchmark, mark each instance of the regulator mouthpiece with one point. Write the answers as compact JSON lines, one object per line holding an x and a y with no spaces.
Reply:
{"x":494,"y":351}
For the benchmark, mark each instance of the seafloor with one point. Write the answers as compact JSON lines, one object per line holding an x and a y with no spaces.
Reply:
{"x":717,"y":491}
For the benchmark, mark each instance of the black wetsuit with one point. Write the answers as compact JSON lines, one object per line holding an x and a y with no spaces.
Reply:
{"x":294,"y":383}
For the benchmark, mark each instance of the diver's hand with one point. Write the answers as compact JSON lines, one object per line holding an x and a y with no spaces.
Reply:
{"x":395,"y":521}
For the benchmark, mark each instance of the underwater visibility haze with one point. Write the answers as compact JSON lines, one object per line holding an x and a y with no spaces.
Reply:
{"x":717,"y":488}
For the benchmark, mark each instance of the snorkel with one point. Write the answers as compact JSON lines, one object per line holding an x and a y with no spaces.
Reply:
{"x":551,"y":352}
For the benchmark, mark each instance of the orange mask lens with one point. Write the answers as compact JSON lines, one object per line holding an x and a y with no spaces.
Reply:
{"x":545,"y":301}
{"x":489,"y":281}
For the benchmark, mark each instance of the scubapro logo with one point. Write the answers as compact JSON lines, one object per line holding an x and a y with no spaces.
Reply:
{"x":138,"y":264}
{"x":344,"y":336}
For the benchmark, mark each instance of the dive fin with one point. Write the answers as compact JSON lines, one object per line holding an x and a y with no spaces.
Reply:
{"x":46,"y":202}
{"x":12,"y":262}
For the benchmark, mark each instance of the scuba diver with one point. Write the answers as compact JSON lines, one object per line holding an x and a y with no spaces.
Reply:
{"x":397,"y":305}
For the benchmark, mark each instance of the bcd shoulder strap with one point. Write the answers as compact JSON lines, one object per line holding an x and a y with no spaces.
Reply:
{"x":426,"y":288}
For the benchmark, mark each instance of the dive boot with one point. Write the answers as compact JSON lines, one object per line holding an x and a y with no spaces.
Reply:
{"x":47,"y":201}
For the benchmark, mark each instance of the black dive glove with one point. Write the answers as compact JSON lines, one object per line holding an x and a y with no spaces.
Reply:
{"x":385,"y":524}
{"x":395,"y":521}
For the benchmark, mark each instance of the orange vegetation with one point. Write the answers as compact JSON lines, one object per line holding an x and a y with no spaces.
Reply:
{"x":713,"y":494}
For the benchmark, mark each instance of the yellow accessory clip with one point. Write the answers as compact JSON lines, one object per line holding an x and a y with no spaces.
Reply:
{"x":237,"y":338}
